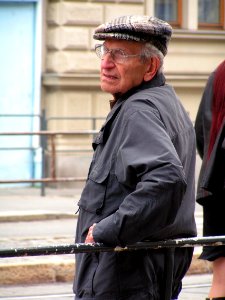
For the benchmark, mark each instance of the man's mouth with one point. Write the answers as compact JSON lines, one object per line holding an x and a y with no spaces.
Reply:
{"x":110,"y":76}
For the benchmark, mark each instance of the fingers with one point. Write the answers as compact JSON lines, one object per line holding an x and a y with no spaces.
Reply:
{"x":89,"y":238}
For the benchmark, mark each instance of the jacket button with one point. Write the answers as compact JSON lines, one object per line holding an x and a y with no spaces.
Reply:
{"x":98,"y":211}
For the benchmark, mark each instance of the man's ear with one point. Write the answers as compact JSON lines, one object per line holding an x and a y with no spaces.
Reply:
{"x":152,"y":68}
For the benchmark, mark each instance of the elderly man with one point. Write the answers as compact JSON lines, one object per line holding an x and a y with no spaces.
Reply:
{"x":140,"y":184}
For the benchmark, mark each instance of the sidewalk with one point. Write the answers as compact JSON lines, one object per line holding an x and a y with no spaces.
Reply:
{"x":195,"y":287}
{"x":28,"y":219}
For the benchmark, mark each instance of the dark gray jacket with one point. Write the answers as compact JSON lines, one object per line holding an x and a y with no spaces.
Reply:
{"x":140,"y":186}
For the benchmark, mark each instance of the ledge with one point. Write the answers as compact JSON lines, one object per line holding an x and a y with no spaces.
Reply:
{"x":188,"y":80}
{"x":209,"y":35}
{"x":86,"y":80}
{"x":53,"y":269}
{"x":90,"y":81}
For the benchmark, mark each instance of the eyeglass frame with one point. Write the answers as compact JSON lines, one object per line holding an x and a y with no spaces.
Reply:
{"x":111,"y":51}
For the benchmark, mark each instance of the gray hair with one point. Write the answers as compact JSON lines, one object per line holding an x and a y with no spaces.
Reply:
{"x":149,"y":51}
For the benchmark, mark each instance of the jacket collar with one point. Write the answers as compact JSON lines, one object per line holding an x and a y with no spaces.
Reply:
{"x":157,"y":81}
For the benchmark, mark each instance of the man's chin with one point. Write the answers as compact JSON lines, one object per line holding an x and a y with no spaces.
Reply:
{"x":108,"y":89}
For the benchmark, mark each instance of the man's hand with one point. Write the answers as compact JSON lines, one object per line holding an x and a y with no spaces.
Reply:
{"x":89,"y":238}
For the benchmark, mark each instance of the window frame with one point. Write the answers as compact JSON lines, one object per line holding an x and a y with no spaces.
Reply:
{"x":178,"y":23}
{"x":214,"y":26}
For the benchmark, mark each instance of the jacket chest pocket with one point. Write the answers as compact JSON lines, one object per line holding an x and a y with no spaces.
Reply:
{"x":94,"y":194}
{"x":102,"y":194}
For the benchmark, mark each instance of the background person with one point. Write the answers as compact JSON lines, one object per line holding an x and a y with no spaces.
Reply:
{"x":210,"y":134}
{"x":140,"y":183}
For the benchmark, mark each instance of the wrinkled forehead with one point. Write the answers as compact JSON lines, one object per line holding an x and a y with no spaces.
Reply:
{"x":123,"y":44}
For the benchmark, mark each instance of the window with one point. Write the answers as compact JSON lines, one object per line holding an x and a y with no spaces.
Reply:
{"x":169,"y":10}
{"x":211,"y":14}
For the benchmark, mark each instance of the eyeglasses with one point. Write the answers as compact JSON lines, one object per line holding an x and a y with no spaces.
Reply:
{"x":118,"y":55}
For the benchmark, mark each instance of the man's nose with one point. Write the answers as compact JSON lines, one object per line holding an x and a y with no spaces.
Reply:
{"x":107,"y":61}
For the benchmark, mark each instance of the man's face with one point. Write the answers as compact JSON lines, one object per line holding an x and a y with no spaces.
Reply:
{"x":117,"y":78}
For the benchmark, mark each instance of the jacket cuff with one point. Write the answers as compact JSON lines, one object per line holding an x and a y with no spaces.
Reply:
{"x":104,"y":232}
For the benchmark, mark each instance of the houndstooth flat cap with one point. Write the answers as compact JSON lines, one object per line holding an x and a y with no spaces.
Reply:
{"x":137,"y":28}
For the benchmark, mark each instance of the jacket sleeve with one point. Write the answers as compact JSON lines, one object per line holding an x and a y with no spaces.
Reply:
{"x":146,"y":156}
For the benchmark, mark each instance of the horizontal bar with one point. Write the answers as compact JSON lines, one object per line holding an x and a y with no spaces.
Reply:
{"x":98,"y":247}
{"x":79,"y":132}
{"x":75,"y":118}
{"x":57,"y":179}
{"x":20,"y":148}
{"x":15,"y":115}
{"x":73,"y":150}
{"x":19,"y":1}
{"x":47,"y":150}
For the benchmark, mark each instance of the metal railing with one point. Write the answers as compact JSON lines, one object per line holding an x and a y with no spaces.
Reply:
{"x":48,"y":138}
{"x":99,"y":247}
{"x":170,"y":246}
{"x":32,"y":121}
{"x":83,"y":118}
{"x":51,"y":135}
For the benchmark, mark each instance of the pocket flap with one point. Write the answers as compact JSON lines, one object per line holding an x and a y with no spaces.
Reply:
{"x":97,"y":140}
{"x":93,"y":195}
{"x":99,"y":174}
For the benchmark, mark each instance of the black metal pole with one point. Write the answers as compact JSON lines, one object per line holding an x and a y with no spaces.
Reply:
{"x":98,"y":247}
